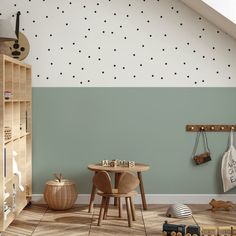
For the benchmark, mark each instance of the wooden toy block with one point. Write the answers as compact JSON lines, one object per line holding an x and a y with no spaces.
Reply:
{"x":209,"y":231}
{"x":233,"y":231}
{"x":113,"y":163}
{"x":220,"y":205}
{"x":131,"y":164}
{"x":224,"y":230}
{"x":105,"y":163}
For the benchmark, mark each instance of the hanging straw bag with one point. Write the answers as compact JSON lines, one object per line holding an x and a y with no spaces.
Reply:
{"x":204,"y":157}
{"x":228,"y":166}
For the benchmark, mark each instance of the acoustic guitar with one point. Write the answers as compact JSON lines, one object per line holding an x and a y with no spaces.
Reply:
{"x":19,"y":48}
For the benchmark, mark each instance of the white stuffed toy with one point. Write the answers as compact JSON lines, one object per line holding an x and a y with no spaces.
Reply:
{"x":16,"y":170}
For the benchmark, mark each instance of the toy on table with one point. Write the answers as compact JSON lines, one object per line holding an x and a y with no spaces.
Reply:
{"x":115,"y":163}
{"x":220,"y":205}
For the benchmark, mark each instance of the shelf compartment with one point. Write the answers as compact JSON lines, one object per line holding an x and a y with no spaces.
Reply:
{"x":16,"y":82}
{"x":28,"y":84}
{"x":8,"y":77}
{"x":8,"y":157}
{"x":28,"y":117}
{"x":22,"y":83}
{"x":22,"y":118}
{"x":16,"y":120}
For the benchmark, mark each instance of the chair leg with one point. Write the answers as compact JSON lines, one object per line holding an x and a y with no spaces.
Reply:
{"x":106,"y":208}
{"x":128,"y":211}
{"x":132,"y":208}
{"x":101,"y":210}
{"x":120,"y":207}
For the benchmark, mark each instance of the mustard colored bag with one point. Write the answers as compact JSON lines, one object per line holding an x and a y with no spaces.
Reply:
{"x":228,"y":166}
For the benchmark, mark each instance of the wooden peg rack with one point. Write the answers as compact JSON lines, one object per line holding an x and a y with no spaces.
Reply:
{"x":210,"y":128}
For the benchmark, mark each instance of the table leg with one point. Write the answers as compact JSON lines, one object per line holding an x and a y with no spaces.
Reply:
{"x":117,"y":179}
{"x":142,"y":190}
{"x":92,"y":197}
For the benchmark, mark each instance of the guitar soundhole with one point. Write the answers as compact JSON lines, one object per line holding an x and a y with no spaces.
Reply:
{"x":16,"y":45}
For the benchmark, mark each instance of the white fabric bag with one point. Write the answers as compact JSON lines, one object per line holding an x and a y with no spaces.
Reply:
{"x":228,"y":166}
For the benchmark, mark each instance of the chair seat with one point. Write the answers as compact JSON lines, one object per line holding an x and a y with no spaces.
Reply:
{"x":116,"y":194}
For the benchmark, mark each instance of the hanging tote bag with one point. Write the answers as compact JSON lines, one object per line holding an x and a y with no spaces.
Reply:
{"x":228,"y":166}
{"x":204,"y":157}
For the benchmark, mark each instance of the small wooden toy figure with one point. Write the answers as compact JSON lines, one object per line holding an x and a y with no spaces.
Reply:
{"x":220,"y":205}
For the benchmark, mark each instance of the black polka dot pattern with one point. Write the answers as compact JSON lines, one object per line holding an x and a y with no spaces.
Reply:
{"x":115,"y":42}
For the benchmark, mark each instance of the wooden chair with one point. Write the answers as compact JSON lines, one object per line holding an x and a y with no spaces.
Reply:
{"x":126,"y":185}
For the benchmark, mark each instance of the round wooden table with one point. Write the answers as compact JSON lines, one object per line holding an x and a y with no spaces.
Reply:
{"x":138,"y":168}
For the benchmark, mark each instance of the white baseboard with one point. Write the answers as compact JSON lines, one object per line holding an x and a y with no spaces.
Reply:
{"x":157,"y":198}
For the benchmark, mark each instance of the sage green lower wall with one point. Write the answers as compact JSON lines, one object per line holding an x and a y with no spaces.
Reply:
{"x":73,"y":127}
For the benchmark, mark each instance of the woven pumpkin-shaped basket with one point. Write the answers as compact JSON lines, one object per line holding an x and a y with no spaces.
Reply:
{"x":60,"y":194}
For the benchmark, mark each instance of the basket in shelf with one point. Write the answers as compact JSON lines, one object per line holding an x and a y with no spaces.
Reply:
{"x":7,"y":133}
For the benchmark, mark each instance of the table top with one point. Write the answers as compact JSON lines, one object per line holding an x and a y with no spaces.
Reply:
{"x":137,"y":168}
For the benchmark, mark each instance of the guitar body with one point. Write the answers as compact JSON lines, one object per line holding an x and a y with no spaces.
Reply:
{"x":20,"y":48}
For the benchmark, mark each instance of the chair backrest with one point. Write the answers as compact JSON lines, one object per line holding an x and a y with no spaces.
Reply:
{"x":128,"y":182}
{"x":102,"y":181}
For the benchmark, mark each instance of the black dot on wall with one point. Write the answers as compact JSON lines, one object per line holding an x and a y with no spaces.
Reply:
{"x":195,"y":82}
{"x":152,"y":75}
{"x":47,"y":77}
{"x":162,"y":78}
{"x":166,"y":63}
{"x":73,"y":76}
{"x":203,"y":57}
{"x":196,"y":68}
{"x":213,"y":48}
{"x":143,"y":46}
{"x":175,"y":73}
{"x":188,"y":43}
{"x":213,"y":59}
{"x":217,"y":72}
{"x":217,"y":31}
{"x":199,"y":18}
{"x":137,"y":29}
{"x":165,"y":35}
{"x":123,"y":68}
{"x":140,"y":64}
{"x":203,"y":29}
{"x":51,"y":63}
{"x":103,"y":72}
{"x":33,"y":21}
{"x":49,"y":49}
{"x":181,"y":24}
{"x":151,"y":58}
{"x":60,"y":73}
{"x":46,"y":16}
{"x":125,"y":37}
{"x":229,"y":65}
{"x":99,"y":59}
{"x":133,"y":54}
{"x":88,"y":81}
{"x":81,"y":82}
{"x":194,"y":51}
{"x":115,"y":77}
{"x":184,"y":63}
{"x":229,"y":49}
{"x":82,"y":68}
{"x":200,"y":36}
{"x":69,"y":63}
{"x":50,"y":35}
{"x":38,"y":75}
{"x":229,"y":77}
{"x":67,"y":24}
{"x":188,"y":76}
{"x":27,"y":12}
{"x":134,"y":76}
{"x":203,"y":80}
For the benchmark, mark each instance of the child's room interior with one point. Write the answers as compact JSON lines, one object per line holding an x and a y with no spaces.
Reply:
{"x":118,"y":117}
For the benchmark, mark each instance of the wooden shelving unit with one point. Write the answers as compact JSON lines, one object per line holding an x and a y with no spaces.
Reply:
{"x":15,"y":138}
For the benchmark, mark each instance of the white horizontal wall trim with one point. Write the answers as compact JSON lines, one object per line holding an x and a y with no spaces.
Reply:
{"x":157,"y":198}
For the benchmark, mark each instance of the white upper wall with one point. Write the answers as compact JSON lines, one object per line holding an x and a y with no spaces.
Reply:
{"x":225,"y":7}
{"x":123,"y":43}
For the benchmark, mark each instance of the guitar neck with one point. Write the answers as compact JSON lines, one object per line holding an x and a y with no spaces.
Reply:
{"x":17,"y":24}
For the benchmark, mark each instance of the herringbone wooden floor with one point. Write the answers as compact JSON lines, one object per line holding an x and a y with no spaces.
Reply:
{"x":38,"y":220}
